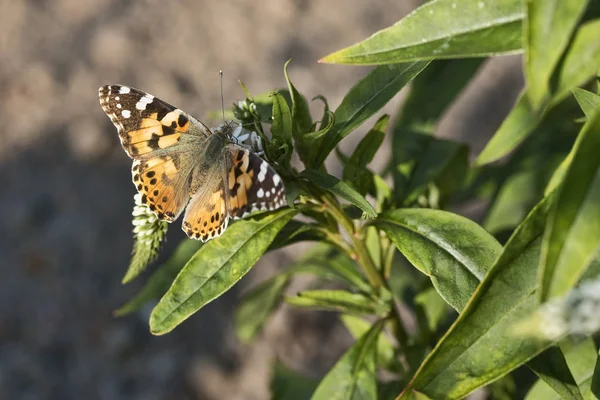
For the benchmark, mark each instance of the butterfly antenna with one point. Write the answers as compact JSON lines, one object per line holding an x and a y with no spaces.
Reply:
{"x":222,"y":101}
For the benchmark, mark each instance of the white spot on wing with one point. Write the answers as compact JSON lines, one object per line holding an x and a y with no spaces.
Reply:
{"x":260,"y":193}
{"x":263,"y":171}
{"x":141,"y":104}
{"x":276,"y":179}
{"x":126,"y":113}
{"x":124,"y":90}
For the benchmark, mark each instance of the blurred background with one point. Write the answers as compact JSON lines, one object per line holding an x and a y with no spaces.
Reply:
{"x":66,"y":192}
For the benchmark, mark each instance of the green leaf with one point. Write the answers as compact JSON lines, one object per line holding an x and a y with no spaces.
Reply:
{"x":433,"y":307}
{"x":301,"y":119}
{"x":515,"y":128}
{"x":257,"y":305}
{"x":338,"y":300}
{"x":312,"y":137}
{"x":547,"y":29}
{"x":588,"y":101}
{"x":383,"y":193}
{"x":582,"y":59}
{"x":573,"y":234}
{"x":439,"y":156}
{"x":595,"y":385}
{"x":295,"y":232}
{"x":453,"y":251}
{"x":431,"y":92}
{"x":481,"y":346}
{"x":339,"y":188}
{"x":355,"y":170}
{"x":581,"y":359}
{"x":580,"y":63}
{"x":216,"y":267}
{"x":353,"y":376}
{"x":326,"y":118}
{"x":287,"y":384}
{"x":366,"y":98}
{"x":367,"y":148}
{"x":520,"y":189}
{"x":281,"y":129}
{"x":326,"y":262}
{"x":551,"y":366}
{"x":162,"y":278}
{"x":386,"y":354}
{"x":442,"y":29}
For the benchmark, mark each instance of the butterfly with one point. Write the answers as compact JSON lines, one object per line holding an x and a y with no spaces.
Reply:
{"x":179,"y":163}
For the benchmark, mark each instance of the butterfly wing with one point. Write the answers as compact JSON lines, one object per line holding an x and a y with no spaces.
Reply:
{"x":206,"y":214}
{"x":162,"y":182}
{"x":252,"y":184}
{"x":147,"y":124}
{"x":161,"y":139}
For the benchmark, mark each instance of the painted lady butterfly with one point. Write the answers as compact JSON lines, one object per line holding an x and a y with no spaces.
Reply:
{"x":178,"y":161}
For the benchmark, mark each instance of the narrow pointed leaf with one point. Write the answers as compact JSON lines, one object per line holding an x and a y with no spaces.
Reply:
{"x":281,"y":128}
{"x":339,"y":188}
{"x":453,"y":251}
{"x":386,"y":354}
{"x":353,"y":376}
{"x":367,"y":148}
{"x":301,"y":120}
{"x":338,"y":300}
{"x":438,"y":156}
{"x":442,"y":29}
{"x":433,"y":307}
{"x":547,"y":29}
{"x":573,"y":235}
{"x":580,"y":359}
{"x":481,"y":346}
{"x":551,"y":366}
{"x":365,"y":98}
{"x":355,"y":170}
{"x":298,"y":232}
{"x":214,"y":269}
{"x":580,"y":64}
{"x":588,"y":101}
{"x":257,"y":305}
{"x":430,"y":94}
{"x":595,"y":385}
{"x":328,"y":263}
{"x":162,"y":278}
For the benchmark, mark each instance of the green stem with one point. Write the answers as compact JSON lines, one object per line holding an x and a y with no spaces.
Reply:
{"x":361,"y":254}
{"x":388,"y":257}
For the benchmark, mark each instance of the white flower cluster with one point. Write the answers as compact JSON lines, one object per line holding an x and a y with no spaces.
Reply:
{"x":146,"y":226}
{"x":244,"y":110}
{"x":576,"y":314}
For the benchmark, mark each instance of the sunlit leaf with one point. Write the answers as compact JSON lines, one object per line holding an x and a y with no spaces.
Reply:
{"x":442,"y":29}
{"x":214,"y":269}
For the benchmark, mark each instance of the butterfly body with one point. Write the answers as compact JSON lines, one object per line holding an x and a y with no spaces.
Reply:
{"x":179,"y":163}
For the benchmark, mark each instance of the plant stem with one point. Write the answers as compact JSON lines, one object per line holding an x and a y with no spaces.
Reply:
{"x":361,"y":254}
{"x":388,"y":257}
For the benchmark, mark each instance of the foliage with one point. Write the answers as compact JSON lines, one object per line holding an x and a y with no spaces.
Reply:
{"x":480,"y":293}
